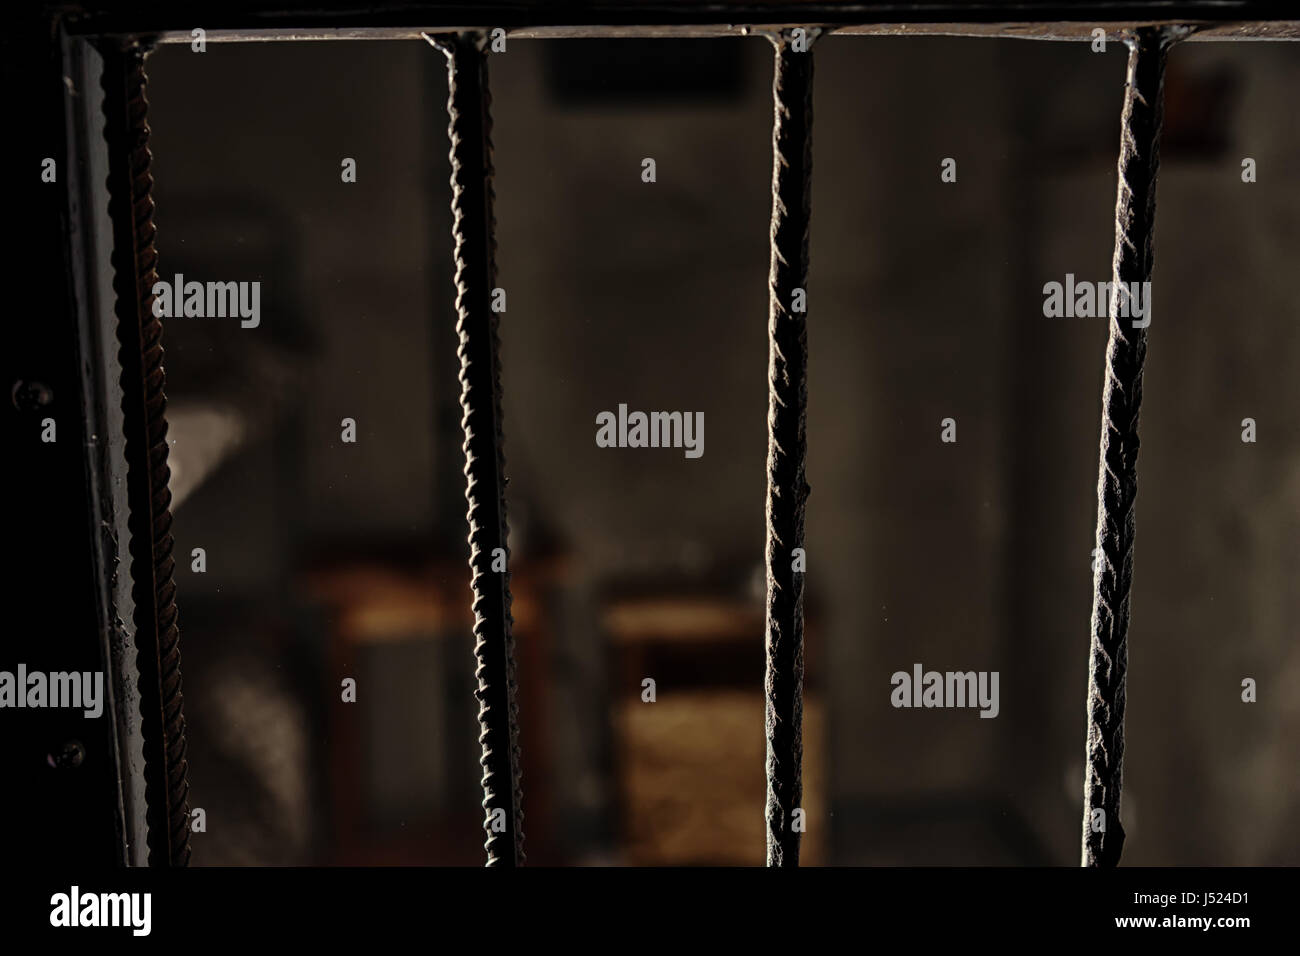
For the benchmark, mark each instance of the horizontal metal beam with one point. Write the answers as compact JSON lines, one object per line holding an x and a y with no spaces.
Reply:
{"x":241,"y":20}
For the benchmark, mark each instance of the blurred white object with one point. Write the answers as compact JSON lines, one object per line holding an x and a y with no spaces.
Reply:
{"x":201,"y":437}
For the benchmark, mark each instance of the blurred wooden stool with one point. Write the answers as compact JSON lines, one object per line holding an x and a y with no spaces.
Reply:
{"x":690,"y":766}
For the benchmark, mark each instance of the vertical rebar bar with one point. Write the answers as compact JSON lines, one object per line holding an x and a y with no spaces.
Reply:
{"x":470,"y":130}
{"x":1135,"y":207}
{"x":787,"y":489}
{"x":144,"y":408}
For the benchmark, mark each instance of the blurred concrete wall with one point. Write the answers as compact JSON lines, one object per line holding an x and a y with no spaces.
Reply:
{"x":925,"y":302}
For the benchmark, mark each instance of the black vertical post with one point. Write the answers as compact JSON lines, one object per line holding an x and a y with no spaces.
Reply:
{"x":62,"y":793}
{"x":470,"y":130}
{"x":1135,"y":209}
{"x":787,"y":489}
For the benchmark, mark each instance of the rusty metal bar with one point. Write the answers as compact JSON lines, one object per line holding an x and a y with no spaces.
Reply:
{"x":1135,"y":209}
{"x":470,"y":131}
{"x":786,"y":439}
{"x":1061,"y":30}
{"x":346,"y":19}
{"x":144,"y":408}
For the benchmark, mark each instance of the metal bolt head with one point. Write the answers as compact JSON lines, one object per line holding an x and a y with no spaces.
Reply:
{"x":28,"y":395}
{"x":71,"y":754}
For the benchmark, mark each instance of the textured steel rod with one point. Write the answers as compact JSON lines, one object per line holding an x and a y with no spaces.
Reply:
{"x":144,"y":408}
{"x":1135,"y":208}
{"x":470,"y":131}
{"x":786,"y":444}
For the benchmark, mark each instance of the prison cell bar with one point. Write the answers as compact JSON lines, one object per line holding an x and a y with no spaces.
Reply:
{"x":787,"y":490}
{"x":1135,"y":208}
{"x":473,"y":227}
{"x":349,"y":20}
{"x":144,"y":408}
